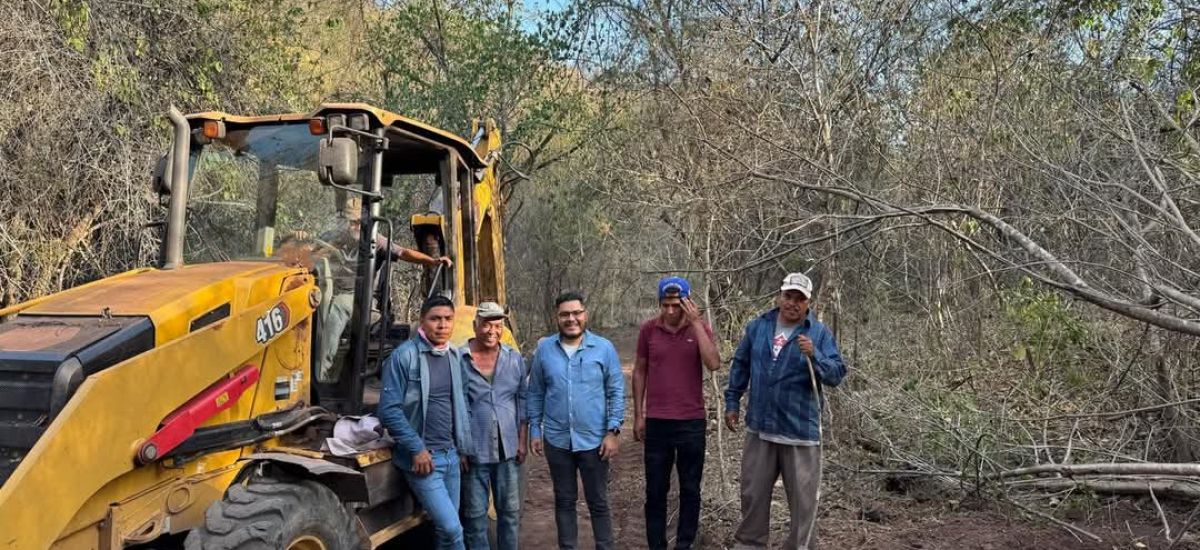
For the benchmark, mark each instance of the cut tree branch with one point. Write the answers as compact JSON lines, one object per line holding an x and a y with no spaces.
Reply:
{"x":1173,"y":488}
{"x":1065,"y":278}
{"x":1109,"y":468}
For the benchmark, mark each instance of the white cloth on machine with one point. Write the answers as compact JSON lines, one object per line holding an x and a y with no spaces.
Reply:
{"x":356,"y":434}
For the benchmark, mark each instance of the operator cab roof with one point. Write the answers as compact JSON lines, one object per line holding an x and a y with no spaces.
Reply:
{"x":413,"y":147}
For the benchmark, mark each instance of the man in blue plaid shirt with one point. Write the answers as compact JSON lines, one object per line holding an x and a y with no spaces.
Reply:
{"x":496,"y":382}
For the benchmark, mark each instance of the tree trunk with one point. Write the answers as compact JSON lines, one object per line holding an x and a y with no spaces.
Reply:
{"x":1179,"y":444}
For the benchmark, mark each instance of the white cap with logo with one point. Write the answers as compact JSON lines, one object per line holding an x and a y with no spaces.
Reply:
{"x":797,"y":281}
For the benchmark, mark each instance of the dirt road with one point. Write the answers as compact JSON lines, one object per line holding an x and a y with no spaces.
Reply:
{"x":625,"y":488}
{"x":856,"y":513}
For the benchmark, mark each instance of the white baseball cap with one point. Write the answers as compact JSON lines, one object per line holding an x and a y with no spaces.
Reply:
{"x":797,"y":281}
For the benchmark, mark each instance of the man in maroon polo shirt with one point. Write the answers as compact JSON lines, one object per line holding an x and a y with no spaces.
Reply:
{"x":668,"y":401}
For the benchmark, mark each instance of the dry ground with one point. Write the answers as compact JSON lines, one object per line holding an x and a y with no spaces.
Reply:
{"x":857,"y":512}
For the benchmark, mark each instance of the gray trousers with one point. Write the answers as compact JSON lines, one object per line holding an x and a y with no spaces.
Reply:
{"x":762,"y":464}
{"x":340,"y":308}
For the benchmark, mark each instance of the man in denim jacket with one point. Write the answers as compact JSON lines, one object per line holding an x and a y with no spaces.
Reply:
{"x":784,"y":358}
{"x":424,"y":407}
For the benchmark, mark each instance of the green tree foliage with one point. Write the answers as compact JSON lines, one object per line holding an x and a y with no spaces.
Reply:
{"x":88,"y":84}
{"x":452,"y":64}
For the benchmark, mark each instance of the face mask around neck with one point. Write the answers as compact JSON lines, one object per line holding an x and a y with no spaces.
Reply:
{"x":434,"y":349}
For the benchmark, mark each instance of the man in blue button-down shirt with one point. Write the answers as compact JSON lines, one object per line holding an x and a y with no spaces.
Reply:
{"x":577,"y":404}
{"x":496,"y":383}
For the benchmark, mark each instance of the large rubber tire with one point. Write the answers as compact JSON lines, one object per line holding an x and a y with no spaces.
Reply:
{"x":275,"y":514}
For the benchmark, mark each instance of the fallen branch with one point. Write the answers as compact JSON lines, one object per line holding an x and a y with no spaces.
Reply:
{"x":1061,"y":275}
{"x":1175,"y":488}
{"x":1075,"y":531}
{"x":914,"y":473}
{"x":1176,"y":480}
{"x":1161,"y":515}
{"x":1186,"y":525}
{"x":1118,"y":468}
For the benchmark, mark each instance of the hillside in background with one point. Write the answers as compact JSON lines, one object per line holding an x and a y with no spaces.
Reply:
{"x":999,"y":201}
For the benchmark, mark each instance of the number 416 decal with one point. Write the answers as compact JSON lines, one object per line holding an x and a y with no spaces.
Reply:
{"x":271,"y":323}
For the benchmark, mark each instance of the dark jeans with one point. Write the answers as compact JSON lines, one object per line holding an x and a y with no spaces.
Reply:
{"x":678,"y":444}
{"x":594,"y":473}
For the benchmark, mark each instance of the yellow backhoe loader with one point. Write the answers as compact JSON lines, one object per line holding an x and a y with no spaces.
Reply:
{"x":189,"y":397}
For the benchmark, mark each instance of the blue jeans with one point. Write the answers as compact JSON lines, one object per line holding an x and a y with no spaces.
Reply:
{"x":503,"y":479}
{"x":438,"y":494}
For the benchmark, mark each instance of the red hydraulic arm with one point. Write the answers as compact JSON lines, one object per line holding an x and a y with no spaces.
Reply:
{"x":182,"y":423}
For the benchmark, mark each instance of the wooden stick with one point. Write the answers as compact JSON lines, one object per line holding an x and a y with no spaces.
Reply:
{"x":712,"y":375}
{"x":1162,"y":516}
{"x":914,"y":473}
{"x":1069,"y":527}
{"x":1186,"y":525}
{"x":1115,"y":415}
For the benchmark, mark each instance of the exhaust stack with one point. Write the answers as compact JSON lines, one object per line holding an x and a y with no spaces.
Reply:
{"x":177,"y":212}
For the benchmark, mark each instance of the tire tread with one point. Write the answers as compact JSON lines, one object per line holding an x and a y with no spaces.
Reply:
{"x":254,"y":516}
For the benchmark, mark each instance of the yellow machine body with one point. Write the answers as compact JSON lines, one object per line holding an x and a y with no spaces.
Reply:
{"x":81,"y":484}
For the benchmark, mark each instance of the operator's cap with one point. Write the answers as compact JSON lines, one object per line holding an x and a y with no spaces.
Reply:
{"x":797,"y":281}
{"x":673,"y":285}
{"x":488,"y":311}
{"x":351,"y":209}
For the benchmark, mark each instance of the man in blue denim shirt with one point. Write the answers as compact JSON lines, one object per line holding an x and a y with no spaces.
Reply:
{"x":577,"y":403}
{"x":496,"y":386}
{"x":424,"y":407}
{"x":784,"y":357}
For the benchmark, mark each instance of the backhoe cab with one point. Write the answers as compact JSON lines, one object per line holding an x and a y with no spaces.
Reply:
{"x":190,"y":397}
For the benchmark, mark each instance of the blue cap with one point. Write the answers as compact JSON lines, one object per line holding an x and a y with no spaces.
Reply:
{"x":673,"y":285}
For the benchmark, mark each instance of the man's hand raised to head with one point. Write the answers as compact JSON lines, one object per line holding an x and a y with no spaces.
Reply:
{"x":691,"y":312}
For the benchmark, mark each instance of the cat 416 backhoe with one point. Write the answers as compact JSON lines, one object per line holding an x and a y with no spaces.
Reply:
{"x":185,"y":398}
